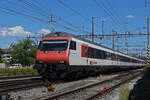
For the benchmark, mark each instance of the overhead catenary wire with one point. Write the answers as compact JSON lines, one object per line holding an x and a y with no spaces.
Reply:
{"x":13,"y":12}
{"x":118,"y":16}
{"x":65,"y":27}
{"x":24,"y":8}
{"x":22,"y":14}
{"x":77,"y":13}
{"x":59,"y":25}
{"x":115,"y":12}
{"x":73,"y":10}
{"x":112,"y":14}
{"x":70,"y":24}
{"x":106,"y":10}
{"x":35,"y":7}
{"x":9,"y":4}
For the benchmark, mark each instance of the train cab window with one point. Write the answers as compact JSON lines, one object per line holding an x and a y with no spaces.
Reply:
{"x":39,"y":45}
{"x":53,"y":45}
{"x":73,"y":45}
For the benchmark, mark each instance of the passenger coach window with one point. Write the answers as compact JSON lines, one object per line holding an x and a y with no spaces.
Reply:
{"x":73,"y":45}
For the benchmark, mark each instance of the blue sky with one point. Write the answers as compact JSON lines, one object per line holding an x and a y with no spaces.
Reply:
{"x":120,"y":15}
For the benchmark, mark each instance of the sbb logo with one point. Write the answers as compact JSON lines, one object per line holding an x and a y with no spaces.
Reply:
{"x":92,"y":62}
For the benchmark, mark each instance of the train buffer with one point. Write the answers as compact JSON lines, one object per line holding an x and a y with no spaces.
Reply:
{"x":49,"y":85}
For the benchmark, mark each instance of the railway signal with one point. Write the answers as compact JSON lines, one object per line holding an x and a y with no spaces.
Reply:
{"x":147,"y":56}
{"x":147,"y":29}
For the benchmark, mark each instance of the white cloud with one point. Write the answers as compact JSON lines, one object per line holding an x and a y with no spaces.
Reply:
{"x":130,"y":16}
{"x":42,"y":31}
{"x":14,"y":31}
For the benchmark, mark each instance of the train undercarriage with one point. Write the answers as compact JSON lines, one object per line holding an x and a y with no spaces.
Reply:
{"x":68,"y":73}
{"x":51,"y":72}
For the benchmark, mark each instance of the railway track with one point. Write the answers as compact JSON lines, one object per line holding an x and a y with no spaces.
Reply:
{"x":92,"y":90}
{"x":104,"y":92}
{"x":17,"y":77}
{"x":8,"y":84}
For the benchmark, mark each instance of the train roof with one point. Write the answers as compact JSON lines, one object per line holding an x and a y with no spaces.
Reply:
{"x":64,"y":34}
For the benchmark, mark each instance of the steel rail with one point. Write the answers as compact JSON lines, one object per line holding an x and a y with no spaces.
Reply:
{"x":71,"y":91}
{"x":20,"y":87}
{"x":16,"y":77}
{"x":20,"y":83}
{"x":106,"y":91}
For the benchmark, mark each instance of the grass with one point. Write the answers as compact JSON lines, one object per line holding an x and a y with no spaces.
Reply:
{"x":17,"y":71}
{"x":124,"y":92}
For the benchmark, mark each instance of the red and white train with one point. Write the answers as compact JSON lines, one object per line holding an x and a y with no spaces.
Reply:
{"x":61,"y":55}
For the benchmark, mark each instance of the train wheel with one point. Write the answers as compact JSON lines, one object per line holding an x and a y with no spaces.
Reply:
{"x":70,"y":77}
{"x":61,"y":74}
{"x":52,"y":76}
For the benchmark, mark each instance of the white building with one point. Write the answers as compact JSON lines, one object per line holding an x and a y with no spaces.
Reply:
{"x":2,"y":65}
{"x":7,"y":57}
{"x":6,"y":54}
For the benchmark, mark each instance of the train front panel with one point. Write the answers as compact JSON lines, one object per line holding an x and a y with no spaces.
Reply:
{"x":53,"y":51}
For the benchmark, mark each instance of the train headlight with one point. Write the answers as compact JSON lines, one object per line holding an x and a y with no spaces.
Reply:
{"x":40,"y":61}
{"x":61,"y":61}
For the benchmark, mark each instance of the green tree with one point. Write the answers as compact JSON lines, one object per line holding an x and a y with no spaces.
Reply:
{"x":24,"y":52}
{"x":4,"y":61}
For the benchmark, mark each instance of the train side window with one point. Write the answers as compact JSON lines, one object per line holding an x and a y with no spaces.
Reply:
{"x":73,"y":45}
{"x":90,"y":52}
{"x":108,"y":55}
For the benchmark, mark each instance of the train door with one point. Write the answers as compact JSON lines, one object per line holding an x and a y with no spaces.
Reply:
{"x":73,"y":53}
{"x":130,"y":60}
{"x":84,"y":53}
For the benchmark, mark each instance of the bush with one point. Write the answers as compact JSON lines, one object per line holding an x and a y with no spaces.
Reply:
{"x":17,"y":71}
{"x":124,"y":92}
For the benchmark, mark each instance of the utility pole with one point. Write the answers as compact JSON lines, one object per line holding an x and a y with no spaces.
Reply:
{"x":118,"y":48}
{"x":92,"y":29}
{"x":51,"y":23}
{"x":113,"y":39}
{"x":103,"y":20}
{"x":147,"y":30}
{"x":126,"y":46}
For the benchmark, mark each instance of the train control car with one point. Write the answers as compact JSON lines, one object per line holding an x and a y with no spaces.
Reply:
{"x":61,"y":55}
